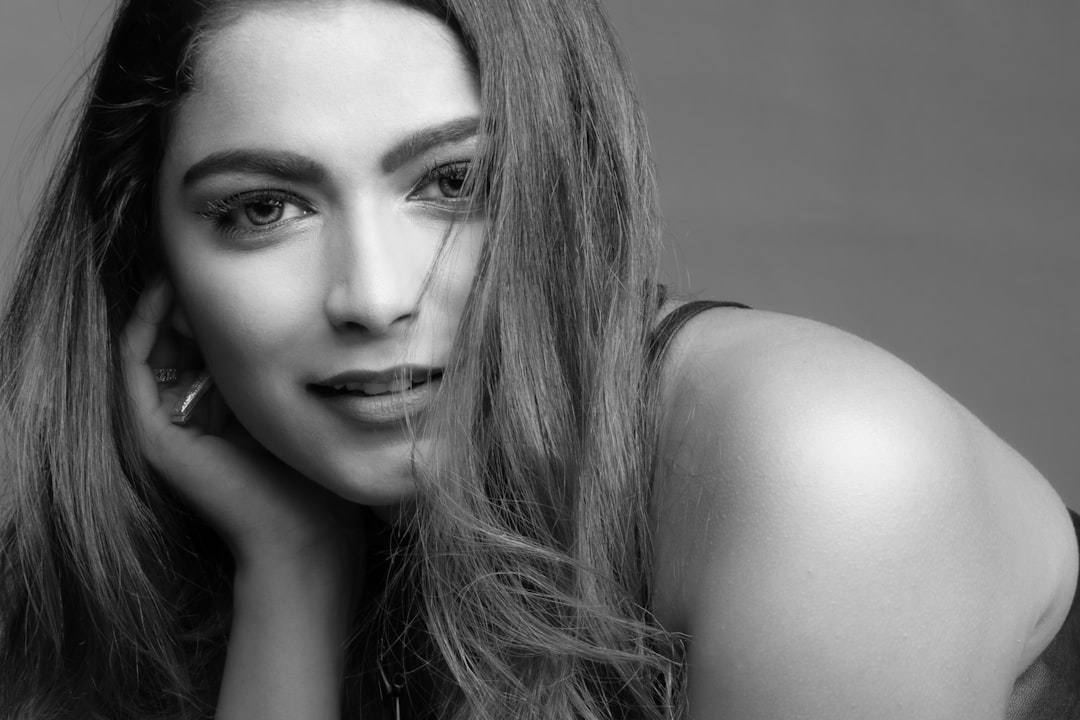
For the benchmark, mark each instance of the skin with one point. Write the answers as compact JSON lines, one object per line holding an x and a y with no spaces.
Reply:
{"x":337,"y":282}
{"x":837,"y":536}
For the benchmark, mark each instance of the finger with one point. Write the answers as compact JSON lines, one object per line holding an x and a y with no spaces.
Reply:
{"x":150,"y":310}
{"x":139,"y":334}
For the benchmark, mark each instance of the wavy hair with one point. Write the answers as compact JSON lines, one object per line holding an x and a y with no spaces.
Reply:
{"x":530,"y":543}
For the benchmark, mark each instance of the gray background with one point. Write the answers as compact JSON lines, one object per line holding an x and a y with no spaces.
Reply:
{"x":908,"y":171}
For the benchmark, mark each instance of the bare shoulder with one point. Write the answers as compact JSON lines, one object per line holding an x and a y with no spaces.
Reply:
{"x":831,"y":523}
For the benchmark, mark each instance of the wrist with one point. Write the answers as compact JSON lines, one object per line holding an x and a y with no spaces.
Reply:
{"x":326,"y":570}
{"x":331,"y":551}
{"x":290,"y":625}
{"x":311,"y":599}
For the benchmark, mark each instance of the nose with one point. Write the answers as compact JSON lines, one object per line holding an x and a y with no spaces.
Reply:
{"x":375,"y":274}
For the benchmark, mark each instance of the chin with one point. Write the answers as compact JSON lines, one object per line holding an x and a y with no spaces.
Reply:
{"x":381,"y":494}
{"x":376,"y":482}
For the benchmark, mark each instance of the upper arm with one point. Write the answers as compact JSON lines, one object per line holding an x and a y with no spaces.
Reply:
{"x":841,"y":539}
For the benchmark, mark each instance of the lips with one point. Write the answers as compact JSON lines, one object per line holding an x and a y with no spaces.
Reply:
{"x":379,"y":397}
{"x":374,"y":388}
{"x":377,"y":383}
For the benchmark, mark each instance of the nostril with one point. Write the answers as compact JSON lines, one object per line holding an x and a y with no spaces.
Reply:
{"x":351,"y":310}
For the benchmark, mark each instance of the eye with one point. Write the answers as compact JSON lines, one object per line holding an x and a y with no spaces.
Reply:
{"x":256,"y":210}
{"x":265,"y":212}
{"x":443,"y":184}
{"x":452,"y":186}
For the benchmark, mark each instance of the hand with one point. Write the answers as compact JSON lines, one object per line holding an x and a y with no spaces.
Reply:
{"x":266,"y":512}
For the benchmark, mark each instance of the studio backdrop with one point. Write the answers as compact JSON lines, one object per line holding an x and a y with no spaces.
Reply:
{"x":906,"y":171}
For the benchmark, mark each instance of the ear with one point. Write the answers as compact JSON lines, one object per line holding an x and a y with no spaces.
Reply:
{"x":179,"y":321}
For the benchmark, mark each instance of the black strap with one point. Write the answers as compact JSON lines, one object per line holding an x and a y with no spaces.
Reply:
{"x":670,"y":324}
{"x":1074,"y":611}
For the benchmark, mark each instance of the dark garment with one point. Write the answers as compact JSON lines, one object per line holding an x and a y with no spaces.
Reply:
{"x":670,"y":324}
{"x":1050,"y":688}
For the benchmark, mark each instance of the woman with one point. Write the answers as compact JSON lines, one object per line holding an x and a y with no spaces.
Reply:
{"x":358,"y":394}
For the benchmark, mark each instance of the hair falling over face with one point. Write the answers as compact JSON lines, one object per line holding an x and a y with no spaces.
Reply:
{"x":519,"y":586}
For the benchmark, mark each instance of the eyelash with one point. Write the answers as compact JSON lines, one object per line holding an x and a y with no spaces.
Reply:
{"x":436,"y":172}
{"x":219,"y":211}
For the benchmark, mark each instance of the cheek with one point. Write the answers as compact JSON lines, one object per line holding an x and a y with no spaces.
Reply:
{"x":244,"y":311}
{"x":456,"y":268}
{"x":448,"y":287}
{"x":246,"y":325}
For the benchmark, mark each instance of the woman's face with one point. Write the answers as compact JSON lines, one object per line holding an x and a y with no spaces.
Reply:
{"x":308,"y":183}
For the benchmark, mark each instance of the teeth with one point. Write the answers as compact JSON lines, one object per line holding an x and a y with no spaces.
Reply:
{"x":375,"y":388}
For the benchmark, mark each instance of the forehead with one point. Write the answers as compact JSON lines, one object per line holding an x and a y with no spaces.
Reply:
{"x":298,"y":20}
{"x":306,"y":73}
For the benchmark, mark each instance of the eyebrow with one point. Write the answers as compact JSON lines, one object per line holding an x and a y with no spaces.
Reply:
{"x":302,"y":169}
{"x":426,"y":138}
{"x":278,"y":163}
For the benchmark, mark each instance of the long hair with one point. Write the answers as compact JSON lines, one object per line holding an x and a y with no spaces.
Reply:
{"x":530,"y":540}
